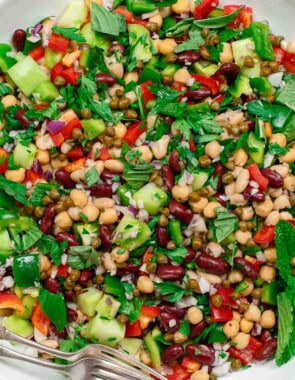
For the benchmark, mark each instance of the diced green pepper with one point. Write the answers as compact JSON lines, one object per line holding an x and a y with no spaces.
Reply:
{"x":262,"y":85}
{"x":175,"y":231}
{"x":260,"y":33}
{"x":5,"y":61}
{"x":125,"y":193}
{"x":26,"y":270}
{"x":241,"y":86}
{"x":270,"y":292}
{"x":256,"y":148}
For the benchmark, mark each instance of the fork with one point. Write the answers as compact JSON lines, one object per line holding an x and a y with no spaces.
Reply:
{"x":101,"y":359}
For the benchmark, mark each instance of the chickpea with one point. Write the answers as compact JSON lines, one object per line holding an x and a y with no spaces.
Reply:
{"x":199,"y":206}
{"x":213,"y":149}
{"x":181,"y":193}
{"x":212,"y":278}
{"x":270,"y":254}
{"x":56,"y":163}
{"x":253,"y":313}
{"x":99,"y":166}
{"x":180,"y":7}
{"x":158,"y":19}
{"x":45,"y":263}
{"x":230,"y":189}
{"x":267,"y":273}
{"x":179,"y":337}
{"x":9,"y":101}
{"x":240,"y":157}
{"x":146,"y":153}
{"x":242,"y":180}
{"x":291,"y":46}
{"x":131,"y":95}
{"x":120,"y":255}
{"x":278,"y":138}
{"x":268,"y":319}
{"x":108,"y":262}
{"x":281,"y":202}
{"x":230,"y":117}
{"x":167,"y":46}
{"x":63,"y":220}
{"x":43,"y":157}
{"x":200,"y":375}
{"x":273,"y":218}
{"x":78,"y":175}
{"x":103,"y":203}
{"x":247,"y":213}
{"x":209,"y":210}
{"x":116,"y":68}
{"x":182,"y":76}
{"x":236,"y":316}
{"x":226,"y":56}
{"x":246,"y":326}
{"x":79,"y":198}
{"x":289,"y":183}
{"x":145,"y":285}
{"x":95,"y":150}
{"x":241,"y":340}
{"x":108,"y":216}
{"x":214,"y":249}
{"x":194,"y":315}
{"x":243,"y":236}
{"x":235,"y":276}
{"x":74,"y":213}
{"x":131,"y":77}
{"x":289,"y":157}
{"x":231,"y":328}
{"x":249,"y":289}
{"x":286,"y":216}
{"x":16,"y":175}
{"x":91,"y":212}
{"x":160,"y":147}
{"x":114,"y":165}
{"x":283,"y":169}
{"x":112,"y":90}
{"x":264,"y":208}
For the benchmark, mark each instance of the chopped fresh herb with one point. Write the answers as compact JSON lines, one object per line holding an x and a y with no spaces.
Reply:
{"x":175,"y":292}
{"x":71,"y":33}
{"x":40,"y":190}
{"x":218,"y":22}
{"x":285,"y":243}
{"x":224,"y":224}
{"x":4,"y":90}
{"x":26,"y":234}
{"x":14,"y":189}
{"x":87,"y":255}
{"x":179,"y":28}
{"x":92,"y":176}
{"x":177,"y":255}
{"x":276,"y":149}
{"x":184,"y":328}
{"x":104,"y":21}
{"x":54,"y":306}
{"x":196,"y":40}
{"x":137,"y":175}
{"x":287,"y":95}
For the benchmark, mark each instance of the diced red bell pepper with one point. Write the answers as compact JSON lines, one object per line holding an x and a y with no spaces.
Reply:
{"x":265,"y":235}
{"x":70,"y":76}
{"x":62,"y":270}
{"x":279,"y":54}
{"x":219,"y":98}
{"x":58,"y":139}
{"x":192,"y":145}
{"x":129,"y":16}
{"x":221,"y":314}
{"x":204,"y":8}
{"x":289,"y":62}
{"x":146,"y":93}
{"x":191,"y":365}
{"x":11,"y":301}
{"x":134,"y":132}
{"x":226,"y":294}
{"x":32,"y":176}
{"x":104,"y":154}
{"x":75,"y":165}
{"x":40,"y":321}
{"x":41,"y":106}
{"x":247,"y":354}
{"x":67,"y":130}
{"x":37,"y":53}
{"x":257,"y":176}
{"x":148,"y":315}
{"x":208,"y":82}
{"x":58,"y":43}
{"x":3,"y":160}
{"x":147,"y":257}
{"x":244,"y":18}
{"x":56,"y":71}
{"x":76,"y":153}
{"x":179,"y":373}
{"x":133,"y":329}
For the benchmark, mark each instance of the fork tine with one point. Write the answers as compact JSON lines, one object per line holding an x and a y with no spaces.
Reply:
{"x":110,"y":375}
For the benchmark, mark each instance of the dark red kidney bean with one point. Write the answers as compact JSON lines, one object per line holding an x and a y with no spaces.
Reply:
{"x":116,"y":47}
{"x":198,"y":94}
{"x":54,"y":332}
{"x":162,"y":236}
{"x":101,"y":191}
{"x":197,"y":330}
{"x":170,"y":272}
{"x":21,"y":117}
{"x":168,"y":177}
{"x":174,"y":161}
{"x":72,"y":315}
{"x":218,"y":171}
{"x":267,"y":350}
{"x":70,"y":295}
{"x":172,"y":353}
{"x":19,"y":39}
{"x":201,"y":353}
{"x":130,"y":268}
{"x":168,"y":119}
{"x":265,"y":335}
{"x":166,"y":325}
{"x":105,"y":234}
{"x":230,"y":71}
{"x":256,"y":196}
{"x":64,"y":178}
{"x":211,"y":264}
{"x":171,"y":309}
{"x":275,"y":179}
{"x":246,"y":268}
{"x":108,"y":175}
{"x":48,"y":219}
{"x":52,"y":285}
{"x":181,"y":211}
{"x":220,"y":198}
{"x":191,"y":255}
{"x":107,"y":79}
{"x":85,"y":276}
{"x":188,"y":57}
{"x":66,"y":236}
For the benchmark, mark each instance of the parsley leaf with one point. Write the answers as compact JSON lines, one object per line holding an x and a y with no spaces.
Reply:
{"x":86,"y":91}
{"x":26,"y":234}
{"x":4,"y":90}
{"x":71,"y":33}
{"x":104,"y":21}
{"x":39,"y":192}
{"x":103,"y":110}
{"x":177,"y":255}
{"x":81,"y":257}
{"x":54,"y":306}
{"x":92,"y":176}
{"x":175,"y":292}
{"x":276,"y":149}
{"x":224,"y":224}
{"x":196,"y":40}
{"x":184,"y":328}
{"x":287,"y":95}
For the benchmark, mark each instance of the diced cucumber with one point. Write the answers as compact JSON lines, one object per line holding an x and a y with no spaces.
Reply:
{"x":256,"y":148}
{"x":200,"y":177}
{"x":243,"y":48}
{"x":5,"y":61}
{"x":88,"y":300}
{"x":24,"y":155}
{"x":6,"y":245}
{"x":52,"y":57}
{"x":108,"y":332}
{"x":107,"y":307}
{"x":139,"y":38}
{"x":270,"y":292}
{"x":204,"y":68}
{"x":85,"y":232}
{"x":29,"y":303}
{"x":95,"y":39}
{"x":131,"y":233}
{"x":19,"y":326}
{"x":74,"y":15}
{"x":93,"y":128}
{"x":131,"y":346}
{"x":84,"y":57}
{"x":170,"y":69}
{"x":46,"y":92}
{"x":152,"y":197}
{"x":154,"y":350}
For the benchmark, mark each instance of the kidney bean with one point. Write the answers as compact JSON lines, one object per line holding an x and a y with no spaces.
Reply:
{"x":196,"y":330}
{"x":72,"y":315}
{"x":108,"y":175}
{"x":19,"y":39}
{"x":198,"y":94}
{"x":130,"y":268}
{"x":64,"y":178}
{"x":174,"y":161}
{"x":172,"y":309}
{"x":257,"y":196}
{"x":265,"y":335}
{"x":168,"y":119}
{"x":103,"y":78}
{"x":169,"y":323}
{"x":275,"y":179}
{"x":52,"y":285}
{"x":70,"y":295}
{"x":201,"y":353}
{"x":219,"y":170}
{"x":162,"y":236}
{"x":105,"y":234}
{"x":53,"y":331}
{"x":21,"y":117}
{"x":181,"y":211}
{"x":188,"y":57}
{"x":220,"y":198}
{"x":48,"y":219}
{"x":85,"y":276}
{"x":116,"y":47}
{"x":101,"y":191}
{"x":172,"y":353}
{"x":72,"y":241}
{"x":191,"y":255}
{"x":230,"y":71}
{"x":211,"y":264}
{"x":246,"y":268}
{"x":170,"y":272}
{"x":168,"y":177}
{"x":267,"y":350}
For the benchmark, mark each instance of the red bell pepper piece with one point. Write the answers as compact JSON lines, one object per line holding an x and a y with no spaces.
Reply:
{"x":208,"y":82}
{"x":133,"y":329}
{"x":32,"y":176}
{"x":56,"y":71}
{"x":146,"y":93}
{"x":147,"y":257}
{"x":62,"y":270}
{"x":76,"y":153}
{"x":104,"y":154}
{"x":134,"y":132}
{"x":58,"y":139}
{"x":190,"y":364}
{"x":37,"y":53}
{"x":179,"y":373}
{"x":221,"y":314}
{"x":150,"y":311}
{"x":204,"y":8}
{"x":244,"y":18}
{"x":129,"y":16}
{"x":192,"y":145}
{"x":265,"y":235}
{"x":289,"y":62}
{"x":58,"y":43}
{"x":247,"y":354}
{"x":257,"y":176}
{"x":3,"y":160}
{"x":67,"y":130}
{"x":41,"y":106}
{"x":11,"y":301}
{"x":219,"y":98}
{"x":40,"y":321}
{"x":70,"y":76}
{"x":75,"y":165}
{"x":226,"y":293}
{"x":291,"y":222}
{"x":279,"y":54}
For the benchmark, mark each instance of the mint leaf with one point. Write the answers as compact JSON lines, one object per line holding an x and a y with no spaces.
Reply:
{"x":224,"y":224}
{"x":285,"y":243}
{"x":71,"y":33}
{"x":54,"y":306}
{"x":218,"y":22}
{"x":87,"y":255}
{"x":26,"y":234}
{"x":92,"y":176}
{"x":177,"y":255}
{"x":196,"y":40}
{"x":14,"y":189}
{"x":287,"y":95}
{"x":103,"y":21}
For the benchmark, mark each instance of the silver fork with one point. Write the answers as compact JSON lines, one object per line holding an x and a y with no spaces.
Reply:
{"x":98,"y":357}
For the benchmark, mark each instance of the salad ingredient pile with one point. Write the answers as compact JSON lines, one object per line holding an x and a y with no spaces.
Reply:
{"x":147,"y":184}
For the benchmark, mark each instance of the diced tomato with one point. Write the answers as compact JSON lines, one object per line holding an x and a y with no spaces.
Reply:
{"x":32,"y":176}
{"x":226,"y":294}
{"x":58,"y":43}
{"x":58,"y":139}
{"x":192,"y":145}
{"x":146,"y":93}
{"x":124,"y":12}
{"x":11,"y":301}
{"x":56,"y":71}
{"x":104,"y":154}
{"x":134,"y":132}
{"x":3,"y":160}
{"x":40,"y":321}
{"x":133,"y":329}
{"x":147,"y":257}
{"x":41,"y":106}
{"x":204,"y":8}
{"x":70,"y":76}
{"x":257,"y":176}
{"x":219,"y":98}
{"x":67,"y":130}
{"x":208,"y":82}
{"x":76,"y":153}
{"x":247,"y":354}
{"x":190,"y":364}
{"x":289,"y":62}
{"x":265,"y":235}
{"x":150,"y":311}
{"x":279,"y":54}
{"x":244,"y":18}
{"x":37,"y":53}
{"x":179,"y":373}
{"x":62,"y":270}
{"x":75,"y":165}
{"x":221,"y":314}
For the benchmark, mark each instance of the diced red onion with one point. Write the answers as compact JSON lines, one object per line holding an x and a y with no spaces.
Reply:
{"x":54,"y":126}
{"x":36,"y":29}
{"x":221,"y":357}
{"x":184,"y":15}
{"x":157,"y":164}
{"x":133,"y":210}
{"x":48,"y":175}
{"x":37,"y":167}
{"x":143,"y":215}
{"x":147,"y":15}
{"x":8,"y":282}
{"x":204,"y":285}
{"x":256,"y":329}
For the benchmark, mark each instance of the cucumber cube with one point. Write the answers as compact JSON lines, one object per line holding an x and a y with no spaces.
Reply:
{"x":74,"y":15}
{"x":107,"y":307}
{"x":19,"y":326}
{"x":24,"y":155}
{"x":88,"y":300}
{"x":152,"y":197}
{"x":108,"y":332}
{"x":93,"y":128}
